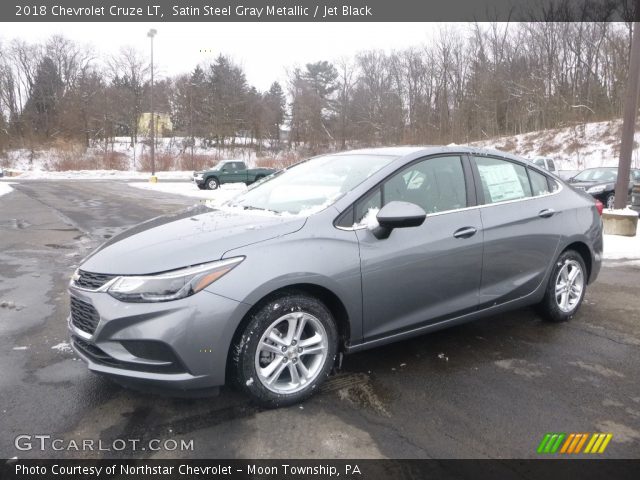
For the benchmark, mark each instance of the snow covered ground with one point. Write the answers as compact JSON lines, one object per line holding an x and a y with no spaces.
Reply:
{"x":103,"y":175}
{"x":43,"y":160}
{"x":574,"y":148}
{"x":617,"y":247}
{"x":5,"y":187}
{"x":213,"y":197}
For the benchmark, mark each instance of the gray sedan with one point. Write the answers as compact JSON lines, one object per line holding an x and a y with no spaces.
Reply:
{"x":334,"y":255}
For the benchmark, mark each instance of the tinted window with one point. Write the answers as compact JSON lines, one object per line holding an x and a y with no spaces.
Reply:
{"x":539,"y":184}
{"x":552,"y":166}
{"x":502,"y":180}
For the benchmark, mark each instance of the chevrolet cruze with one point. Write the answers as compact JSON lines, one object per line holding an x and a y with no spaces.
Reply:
{"x":334,"y":255}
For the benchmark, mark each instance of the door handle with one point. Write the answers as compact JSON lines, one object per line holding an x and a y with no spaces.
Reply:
{"x":546,"y":213}
{"x":465,"y":232}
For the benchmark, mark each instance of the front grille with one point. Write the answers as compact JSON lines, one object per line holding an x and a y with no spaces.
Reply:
{"x":97,"y":355}
{"x":84,"y":316}
{"x":92,"y":281}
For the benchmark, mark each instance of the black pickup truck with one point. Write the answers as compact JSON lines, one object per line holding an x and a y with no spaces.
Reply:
{"x":229,"y":171}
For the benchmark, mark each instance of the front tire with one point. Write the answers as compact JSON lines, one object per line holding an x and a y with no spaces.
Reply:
{"x":212,"y":184}
{"x":566,"y":288}
{"x":286,"y":351}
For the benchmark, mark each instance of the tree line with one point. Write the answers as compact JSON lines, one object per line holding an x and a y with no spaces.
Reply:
{"x":469,"y":82}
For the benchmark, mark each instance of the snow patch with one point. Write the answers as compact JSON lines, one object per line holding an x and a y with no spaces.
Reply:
{"x":188,"y":189}
{"x":5,"y":187}
{"x":370,"y":220}
{"x":249,"y":382}
{"x":618,"y":247}
{"x":62,"y":347}
{"x":624,"y":212}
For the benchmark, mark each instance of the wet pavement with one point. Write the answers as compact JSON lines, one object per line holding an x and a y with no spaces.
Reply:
{"x":489,"y":389}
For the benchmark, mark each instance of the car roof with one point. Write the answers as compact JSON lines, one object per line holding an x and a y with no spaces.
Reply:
{"x":418,"y":151}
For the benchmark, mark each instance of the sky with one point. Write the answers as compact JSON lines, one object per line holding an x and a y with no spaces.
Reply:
{"x":265,"y":50}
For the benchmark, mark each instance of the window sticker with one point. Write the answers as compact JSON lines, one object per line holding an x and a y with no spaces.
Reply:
{"x":502,"y":182}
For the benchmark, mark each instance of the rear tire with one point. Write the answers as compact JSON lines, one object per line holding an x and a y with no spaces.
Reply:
{"x":610,"y":201}
{"x":566,"y":288}
{"x":286,"y":351}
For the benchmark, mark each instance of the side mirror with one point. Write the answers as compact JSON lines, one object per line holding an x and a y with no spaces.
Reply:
{"x":398,"y":215}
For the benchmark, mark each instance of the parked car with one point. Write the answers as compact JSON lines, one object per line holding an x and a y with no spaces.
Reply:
{"x":267,"y":290}
{"x":601,"y":183}
{"x":229,"y":171}
{"x":546,"y":163}
{"x":567,"y":174}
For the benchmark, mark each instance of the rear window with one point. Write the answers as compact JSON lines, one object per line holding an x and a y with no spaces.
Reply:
{"x":539,"y":184}
{"x":502,"y":180}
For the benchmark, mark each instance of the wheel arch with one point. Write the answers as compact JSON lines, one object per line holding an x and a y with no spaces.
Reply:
{"x":585,"y":253}
{"x":325,"y":295}
{"x":209,"y":177}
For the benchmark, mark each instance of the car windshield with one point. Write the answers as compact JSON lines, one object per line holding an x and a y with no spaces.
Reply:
{"x":597,"y":175}
{"x":539,"y":162}
{"x":311,"y":186}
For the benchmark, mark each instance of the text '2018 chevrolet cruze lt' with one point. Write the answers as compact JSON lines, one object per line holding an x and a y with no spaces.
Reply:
{"x":336,"y":254}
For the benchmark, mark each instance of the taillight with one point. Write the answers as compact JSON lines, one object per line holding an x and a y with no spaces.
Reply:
{"x":599,"y":206}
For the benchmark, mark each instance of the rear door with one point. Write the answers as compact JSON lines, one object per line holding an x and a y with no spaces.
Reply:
{"x":422,"y":274}
{"x":521,"y":221}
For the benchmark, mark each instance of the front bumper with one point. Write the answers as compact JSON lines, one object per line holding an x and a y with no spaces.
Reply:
{"x":198,"y":180}
{"x":181,"y":344}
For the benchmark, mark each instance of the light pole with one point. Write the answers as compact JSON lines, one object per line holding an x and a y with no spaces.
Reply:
{"x":151,"y":34}
{"x":629,"y":121}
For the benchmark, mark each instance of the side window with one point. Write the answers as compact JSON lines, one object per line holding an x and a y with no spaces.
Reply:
{"x":552,"y":166}
{"x":502,"y":180}
{"x":435,"y":184}
{"x":539,"y":184}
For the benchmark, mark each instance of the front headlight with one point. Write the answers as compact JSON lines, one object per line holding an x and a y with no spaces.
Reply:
{"x":171,"y":285}
{"x":597,"y":189}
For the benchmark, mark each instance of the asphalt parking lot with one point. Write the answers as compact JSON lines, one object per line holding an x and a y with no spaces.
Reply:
{"x":489,"y":389}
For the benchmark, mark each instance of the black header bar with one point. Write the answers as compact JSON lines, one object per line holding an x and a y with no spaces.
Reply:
{"x":594,"y":469}
{"x":316,"y":10}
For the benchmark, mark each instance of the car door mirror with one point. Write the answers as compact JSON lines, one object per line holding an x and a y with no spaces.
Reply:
{"x":398,"y":215}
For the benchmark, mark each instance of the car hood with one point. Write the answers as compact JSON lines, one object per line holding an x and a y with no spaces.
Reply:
{"x":587,"y":185}
{"x":191,"y":237}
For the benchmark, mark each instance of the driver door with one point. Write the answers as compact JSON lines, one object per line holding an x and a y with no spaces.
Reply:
{"x":421,"y":275}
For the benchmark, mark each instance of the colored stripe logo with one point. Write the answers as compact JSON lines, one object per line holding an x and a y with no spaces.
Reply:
{"x":573,"y":443}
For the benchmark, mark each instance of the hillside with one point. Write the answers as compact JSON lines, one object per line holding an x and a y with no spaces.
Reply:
{"x":576,"y":147}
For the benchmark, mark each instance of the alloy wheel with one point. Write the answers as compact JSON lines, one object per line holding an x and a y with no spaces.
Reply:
{"x":291,"y":353}
{"x":569,"y":286}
